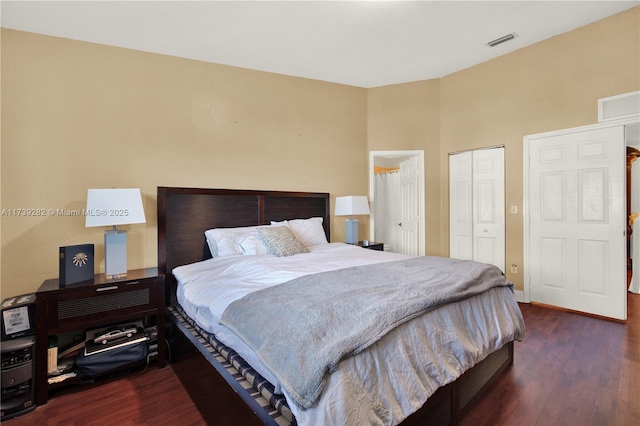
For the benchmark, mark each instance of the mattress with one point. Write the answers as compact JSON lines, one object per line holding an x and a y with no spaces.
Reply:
{"x":422,"y":354}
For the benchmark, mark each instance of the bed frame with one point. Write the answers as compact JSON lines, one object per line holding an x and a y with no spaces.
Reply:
{"x":183,"y":216}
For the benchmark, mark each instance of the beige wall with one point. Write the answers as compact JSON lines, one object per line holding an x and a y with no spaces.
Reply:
{"x":79,"y":115}
{"x":551,"y":85}
{"x":407,"y":117}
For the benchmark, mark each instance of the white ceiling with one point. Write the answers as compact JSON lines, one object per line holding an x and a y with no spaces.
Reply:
{"x":359,"y":43}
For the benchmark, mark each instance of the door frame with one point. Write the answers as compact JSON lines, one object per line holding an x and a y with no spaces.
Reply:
{"x":634,"y":141}
{"x":421,"y":189}
{"x":528,"y":141}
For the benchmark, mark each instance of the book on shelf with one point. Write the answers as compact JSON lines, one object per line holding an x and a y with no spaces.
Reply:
{"x":61,"y":360}
{"x":52,"y":355}
{"x":132,"y":333}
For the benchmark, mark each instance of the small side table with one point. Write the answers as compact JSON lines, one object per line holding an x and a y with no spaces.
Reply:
{"x":96,"y":303}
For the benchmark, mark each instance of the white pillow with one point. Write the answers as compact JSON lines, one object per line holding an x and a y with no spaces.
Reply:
{"x":308,"y":231}
{"x":252,"y":244}
{"x":226,"y":241}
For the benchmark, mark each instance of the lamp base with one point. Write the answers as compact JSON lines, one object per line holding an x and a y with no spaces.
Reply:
{"x":115,"y":253}
{"x":351,"y":231}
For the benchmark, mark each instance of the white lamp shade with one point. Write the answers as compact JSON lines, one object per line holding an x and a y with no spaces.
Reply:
{"x":107,"y":207}
{"x":352,"y":205}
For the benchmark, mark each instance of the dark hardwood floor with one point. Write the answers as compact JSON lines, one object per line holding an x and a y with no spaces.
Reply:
{"x":151,"y":397}
{"x":571,"y":369}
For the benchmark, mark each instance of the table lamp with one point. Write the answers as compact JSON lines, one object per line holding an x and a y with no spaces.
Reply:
{"x":351,"y":205}
{"x":113,"y":207}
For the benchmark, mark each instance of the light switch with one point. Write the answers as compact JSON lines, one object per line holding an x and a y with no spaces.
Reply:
{"x":514,"y":209}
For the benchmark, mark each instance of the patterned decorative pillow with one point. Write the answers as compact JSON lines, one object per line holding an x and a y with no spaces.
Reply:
{"x":281,"y":241}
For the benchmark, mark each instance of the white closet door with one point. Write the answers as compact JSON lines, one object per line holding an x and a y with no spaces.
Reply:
{"x":461,"y":205}
{"x":476,"y":202}
{"x":488,"y":207}
{"x":577,"y":221}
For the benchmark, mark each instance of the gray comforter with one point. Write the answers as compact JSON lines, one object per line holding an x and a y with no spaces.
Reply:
{"x":301,"y":329}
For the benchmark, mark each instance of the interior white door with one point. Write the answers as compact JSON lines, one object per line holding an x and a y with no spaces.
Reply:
{"x":409,"y":210}
{"x":476,"y":206}
{"x":488,"y":207}
{"x":461,"y":205}
{"x":577,"y":221}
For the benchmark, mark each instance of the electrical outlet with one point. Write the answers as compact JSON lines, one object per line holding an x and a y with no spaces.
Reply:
{"x":514,"y":269}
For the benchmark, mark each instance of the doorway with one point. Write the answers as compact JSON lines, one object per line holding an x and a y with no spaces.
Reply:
{"x":396,"y":196}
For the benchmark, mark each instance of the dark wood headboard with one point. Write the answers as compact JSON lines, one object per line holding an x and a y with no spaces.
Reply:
{"x":185,"y":213}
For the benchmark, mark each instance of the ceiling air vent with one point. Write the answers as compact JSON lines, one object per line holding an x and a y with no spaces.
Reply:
{"x":619,"y":107}
{"x":502,"y":39}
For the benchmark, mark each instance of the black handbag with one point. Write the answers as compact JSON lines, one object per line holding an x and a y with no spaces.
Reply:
{"x":110,"y":360}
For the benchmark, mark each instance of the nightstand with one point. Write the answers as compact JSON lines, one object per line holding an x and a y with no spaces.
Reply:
{"x":373,"y":245}
{"x":97,"y":303}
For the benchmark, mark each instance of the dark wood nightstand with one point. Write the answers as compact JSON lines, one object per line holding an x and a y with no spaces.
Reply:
{"x":81,"y":306}
{"x":373,"y":245}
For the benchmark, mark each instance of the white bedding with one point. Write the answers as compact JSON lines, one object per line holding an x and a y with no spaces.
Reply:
{"x":206,"y":288}
{"x":451,"y":339}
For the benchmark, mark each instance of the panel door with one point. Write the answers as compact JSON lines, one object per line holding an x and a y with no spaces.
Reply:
{"x":577,"y":221}
{"x":476,"y":206}
{"x":488,"y":207}
{"x":409,"y":210}
{"x":461,"y":207}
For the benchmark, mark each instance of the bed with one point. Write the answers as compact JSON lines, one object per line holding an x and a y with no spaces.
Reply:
{"x":209,"y":358}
